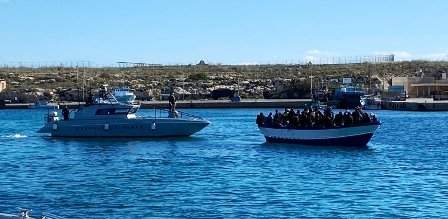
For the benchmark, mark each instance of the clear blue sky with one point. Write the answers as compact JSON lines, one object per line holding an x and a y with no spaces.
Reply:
{"x":219,"y":31}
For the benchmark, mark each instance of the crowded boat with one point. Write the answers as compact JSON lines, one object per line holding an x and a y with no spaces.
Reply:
{"x":314,"y":118}
{"x":314,"y":126}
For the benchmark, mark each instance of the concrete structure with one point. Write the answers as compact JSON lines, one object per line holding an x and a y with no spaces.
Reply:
{"x":423,"y":87}
{"x":245,"y":103}
{"x":428,"y":87}
{"x":416,"y":104}
{"x":2,"y":85}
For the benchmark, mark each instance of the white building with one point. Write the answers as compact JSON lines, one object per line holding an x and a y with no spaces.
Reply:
{"x":2,"y":85}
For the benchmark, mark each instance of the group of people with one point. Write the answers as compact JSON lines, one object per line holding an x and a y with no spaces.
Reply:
{"x":315,"y":118}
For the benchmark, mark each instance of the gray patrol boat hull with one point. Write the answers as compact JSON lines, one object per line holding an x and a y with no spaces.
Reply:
{"x":159,"y":127}
{"x":119,"y":120}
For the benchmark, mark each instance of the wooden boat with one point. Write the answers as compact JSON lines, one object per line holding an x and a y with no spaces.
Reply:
{"x":355,"y":135}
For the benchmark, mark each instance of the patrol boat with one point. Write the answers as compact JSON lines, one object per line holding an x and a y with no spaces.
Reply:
{"x":107,"y":117}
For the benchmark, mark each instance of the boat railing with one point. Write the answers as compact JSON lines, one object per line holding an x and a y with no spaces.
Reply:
{"x":166,"y":113}
{"x":51,"y":116}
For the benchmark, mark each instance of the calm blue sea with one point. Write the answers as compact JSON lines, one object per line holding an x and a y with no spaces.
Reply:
{"x":226,"y":171}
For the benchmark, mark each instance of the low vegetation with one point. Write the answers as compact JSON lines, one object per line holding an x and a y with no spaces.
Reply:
{"x":197,"y":81}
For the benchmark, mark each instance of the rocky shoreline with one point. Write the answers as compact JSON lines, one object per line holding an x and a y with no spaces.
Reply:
{"x":195,"y":82}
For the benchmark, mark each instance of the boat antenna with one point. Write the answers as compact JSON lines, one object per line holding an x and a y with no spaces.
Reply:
{"x":83,"y":82}
{"x":311,"y":78}
{"x":77,"y":84}
{"x":238,"y":86}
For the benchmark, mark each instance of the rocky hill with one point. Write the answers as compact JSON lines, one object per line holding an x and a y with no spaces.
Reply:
{"x":197,"y":81}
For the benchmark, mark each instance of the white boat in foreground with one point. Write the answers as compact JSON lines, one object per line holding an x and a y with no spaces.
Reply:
{"x":358,"y":135}
{"x":110,"y":118}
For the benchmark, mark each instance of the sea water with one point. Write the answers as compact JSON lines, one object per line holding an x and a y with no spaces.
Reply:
{"x":226,"y":171}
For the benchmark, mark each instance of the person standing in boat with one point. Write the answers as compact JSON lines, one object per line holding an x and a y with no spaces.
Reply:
{"x":65,"y":113}
{"x":260,"y":119}
{"x":277,"y":119}
{"x":172,"y":102}
{"x":339,"y":119}
{"x":348,"y":118}
{"x":269,"y":121}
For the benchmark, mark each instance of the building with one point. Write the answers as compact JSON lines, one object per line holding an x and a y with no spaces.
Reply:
{"x":2,"y":85}
{"x":423,"y":87}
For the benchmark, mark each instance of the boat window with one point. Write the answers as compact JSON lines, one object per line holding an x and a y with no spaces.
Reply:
{"x":121,"y":111}
{"x":133,"y":110}
{"x":105,"y":111}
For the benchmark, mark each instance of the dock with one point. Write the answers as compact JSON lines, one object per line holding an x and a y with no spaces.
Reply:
{"x":416,"y":104}
{"x":410,"y":104}
{"x":16,"y":106}
{"x":246,"y":103}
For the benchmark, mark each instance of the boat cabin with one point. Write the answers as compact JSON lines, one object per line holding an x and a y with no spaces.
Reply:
{"x":107,"y":111}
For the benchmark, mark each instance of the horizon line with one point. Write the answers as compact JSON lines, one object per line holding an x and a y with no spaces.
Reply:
{"x":336,"y":60}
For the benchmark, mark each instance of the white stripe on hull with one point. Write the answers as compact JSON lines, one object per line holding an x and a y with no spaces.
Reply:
{"x":314,"y":134}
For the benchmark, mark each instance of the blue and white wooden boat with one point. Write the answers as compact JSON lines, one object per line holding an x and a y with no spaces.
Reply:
{"x":358,"y":135}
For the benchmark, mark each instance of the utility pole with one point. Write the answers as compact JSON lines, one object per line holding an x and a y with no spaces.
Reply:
{"x":370,"y":77}
{"x":311,"y":78}
{"x":83,"y":83}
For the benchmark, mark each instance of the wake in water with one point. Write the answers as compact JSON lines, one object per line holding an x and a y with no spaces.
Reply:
{"x":17,"y":135}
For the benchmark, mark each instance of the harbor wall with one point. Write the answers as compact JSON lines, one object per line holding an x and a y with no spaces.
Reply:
{"x":414,"y":104}
{"x":16,"y":106}
{"x":250,"y":103}
{"x":255,"y":103}
{"x":417,"y":104}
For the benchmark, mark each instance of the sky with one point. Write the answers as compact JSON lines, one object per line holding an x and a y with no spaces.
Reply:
{"x":103,"y":32}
